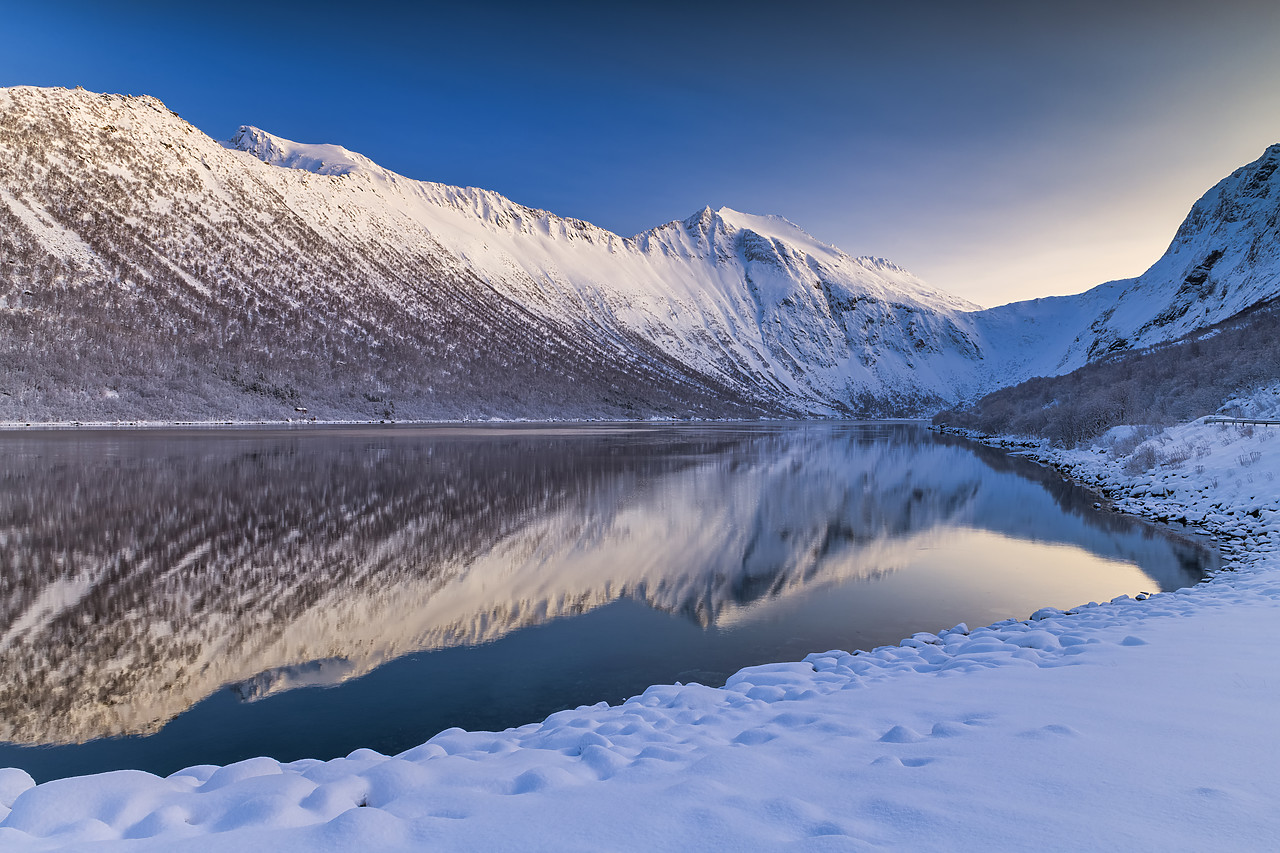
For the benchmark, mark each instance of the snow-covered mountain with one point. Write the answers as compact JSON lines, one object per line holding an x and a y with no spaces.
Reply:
{"x":147,"y":271}
{"x":753,"y":301}
{"x":1224,"y":259}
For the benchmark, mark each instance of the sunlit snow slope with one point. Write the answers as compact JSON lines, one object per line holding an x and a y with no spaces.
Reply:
{"x":147,"y":271}
{"x":1224,"y":259}
{"x":751,"y":300}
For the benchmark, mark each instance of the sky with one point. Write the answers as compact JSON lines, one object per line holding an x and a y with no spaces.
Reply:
{"x":1000,"y":150}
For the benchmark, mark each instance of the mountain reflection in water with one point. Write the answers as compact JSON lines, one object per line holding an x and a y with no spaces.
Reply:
{"x":144,"y":570}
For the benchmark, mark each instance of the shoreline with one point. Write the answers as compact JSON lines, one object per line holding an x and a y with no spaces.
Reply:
{"x":1047,"y":457}
{"x":1088,"y":469}
{"x":1120,"y":691}
{"x":58,"y":426}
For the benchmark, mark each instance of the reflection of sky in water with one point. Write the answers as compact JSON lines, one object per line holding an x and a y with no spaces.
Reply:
{"x":149,"y":571}
{"x":982,"y":575}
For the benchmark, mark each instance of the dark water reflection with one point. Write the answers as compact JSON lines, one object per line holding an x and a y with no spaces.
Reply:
{"x":170,"y":598}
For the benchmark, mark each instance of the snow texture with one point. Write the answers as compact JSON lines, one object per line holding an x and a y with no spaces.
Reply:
{"x":1140,"y":723}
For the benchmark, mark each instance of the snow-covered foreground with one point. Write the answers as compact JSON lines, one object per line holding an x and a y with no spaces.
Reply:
{"x":1132,"y":724}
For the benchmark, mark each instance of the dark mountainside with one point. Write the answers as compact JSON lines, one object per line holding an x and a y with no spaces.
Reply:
{"x":1168,"y":384}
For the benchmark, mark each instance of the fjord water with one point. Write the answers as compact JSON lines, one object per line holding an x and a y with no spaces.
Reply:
{"x":170,"y":598}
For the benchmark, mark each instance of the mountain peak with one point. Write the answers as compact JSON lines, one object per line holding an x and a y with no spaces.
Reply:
{"x":702,"y":218}
{"x":769,"y":226}
{"x":322,"y":159}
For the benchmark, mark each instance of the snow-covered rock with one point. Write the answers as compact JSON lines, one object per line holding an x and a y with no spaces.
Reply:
{"x":321,"y":159}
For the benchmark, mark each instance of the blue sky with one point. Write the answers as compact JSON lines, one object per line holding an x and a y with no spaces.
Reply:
{"x":1000,"y":150}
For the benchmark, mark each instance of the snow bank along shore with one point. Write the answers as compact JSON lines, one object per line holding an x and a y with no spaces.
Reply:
{"x":1144,"y":723}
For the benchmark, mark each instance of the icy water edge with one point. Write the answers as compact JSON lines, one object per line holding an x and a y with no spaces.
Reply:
{"x":179,"y":597}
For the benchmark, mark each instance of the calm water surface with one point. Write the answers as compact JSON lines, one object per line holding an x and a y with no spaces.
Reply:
{"x":170,"y":598}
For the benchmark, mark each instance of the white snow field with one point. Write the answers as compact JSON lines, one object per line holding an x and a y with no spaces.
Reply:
{"x":1144,"y":723}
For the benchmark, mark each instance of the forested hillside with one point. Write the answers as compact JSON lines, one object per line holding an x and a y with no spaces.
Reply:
{"x":1163,"y":385}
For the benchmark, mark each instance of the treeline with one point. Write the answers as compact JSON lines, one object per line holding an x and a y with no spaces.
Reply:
{"x":1169,"y":384}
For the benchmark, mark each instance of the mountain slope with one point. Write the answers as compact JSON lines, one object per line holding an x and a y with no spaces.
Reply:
{"x":890,"y":330}
{"x":752,"y":300}
{"x":1224,"y":259}
{"x":1166,"y":384}
{"x":152,"y":272}
{"x":149,"y":272}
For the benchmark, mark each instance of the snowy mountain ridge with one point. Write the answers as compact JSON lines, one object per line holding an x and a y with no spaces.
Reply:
{"x":326,"y":159}
{"x":1225,"y":258}
{"x":278,"y":276}
{"x":740,"y":296}
{"x":320,"y":159}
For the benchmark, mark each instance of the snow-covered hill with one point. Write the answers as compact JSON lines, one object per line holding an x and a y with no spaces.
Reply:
{"x":147,"y":271}
{"x":1224,"y":259}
